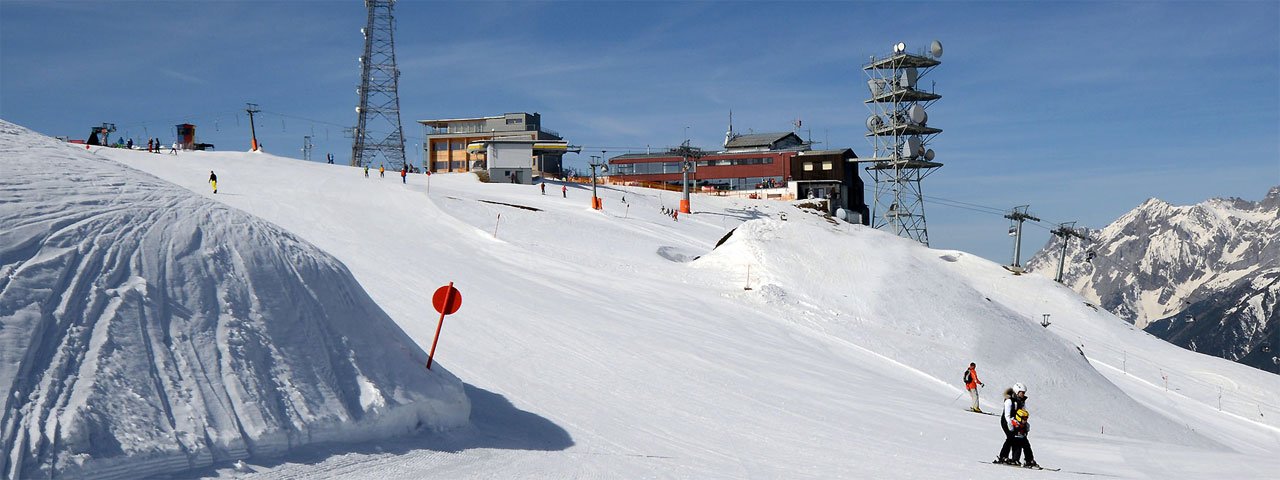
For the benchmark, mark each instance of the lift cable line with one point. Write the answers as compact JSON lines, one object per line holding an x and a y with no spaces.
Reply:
{"x":252,"y":108}
{"x":1065,"y":231}
{"x":1017,"y":216}
{"x":378,"y":133}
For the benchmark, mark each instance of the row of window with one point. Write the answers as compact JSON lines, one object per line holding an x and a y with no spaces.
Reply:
{"x":809,"y":166}
{"x":724,"y":162}
{"x":653,"y":168}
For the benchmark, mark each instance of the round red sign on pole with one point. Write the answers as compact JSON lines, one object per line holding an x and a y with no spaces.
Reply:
{"x":447,"y":299}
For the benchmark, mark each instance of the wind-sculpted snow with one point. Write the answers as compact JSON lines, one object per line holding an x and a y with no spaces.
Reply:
{"x":145,"y":329}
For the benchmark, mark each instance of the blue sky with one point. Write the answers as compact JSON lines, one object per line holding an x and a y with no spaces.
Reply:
{"x":1081,"y":109}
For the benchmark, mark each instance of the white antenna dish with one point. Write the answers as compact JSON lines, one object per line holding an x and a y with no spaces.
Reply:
{"x":874,"y":123}
{"x":899,"y":47}
{"x":917,"y":114}
{"x":911,"y":147}
{"x":936,"y":49}
{"x":908,"y":78}
{"x":928,"y":154}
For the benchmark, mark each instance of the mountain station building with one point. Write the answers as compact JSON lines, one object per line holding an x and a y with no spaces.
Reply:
{"x":758,"y":161}
{"x":463,"y":145}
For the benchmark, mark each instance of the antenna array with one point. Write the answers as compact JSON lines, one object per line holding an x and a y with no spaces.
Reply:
{"x":378,"y":131}
{"x":899,"y":133}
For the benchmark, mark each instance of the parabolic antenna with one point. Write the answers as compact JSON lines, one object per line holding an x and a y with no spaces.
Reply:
{"x":936,"y":49}
{"x":876,"y":86}
{"x":874,"y":123}
{"x":917,"y":115}
{"x":840,"y":213}
{"x":928,"y":154}
{"x":908,"y":78}
{"x":910,"y":147}
{"x":900,"y":47}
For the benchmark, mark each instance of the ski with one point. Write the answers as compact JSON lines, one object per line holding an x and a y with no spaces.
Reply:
{"x":1028,"y":468}
{"x":982,"y":412}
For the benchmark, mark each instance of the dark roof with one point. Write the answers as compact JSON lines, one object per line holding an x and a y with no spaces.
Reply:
{"x":842,"y":151}
{"x":759,"y":139}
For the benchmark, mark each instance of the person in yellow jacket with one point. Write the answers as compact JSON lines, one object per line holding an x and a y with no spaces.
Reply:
{"x":382,"y":171}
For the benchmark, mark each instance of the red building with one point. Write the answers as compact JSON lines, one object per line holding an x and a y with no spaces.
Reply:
{"x":757,"y":161}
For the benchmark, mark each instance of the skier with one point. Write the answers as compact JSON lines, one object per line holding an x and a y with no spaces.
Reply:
{"x":1020,"y":443}
{"x":366,"y":171}
{"x":971,"y":384}
{"x":404,"y":171}
{"x":544,"y":188}
{"x":564,"y":191}
{"x":213,"y":180}
{"x":150,"y":145}
{"x":382,"y":171}
{"x":129,"y":144}
{"x":1014,"y":399}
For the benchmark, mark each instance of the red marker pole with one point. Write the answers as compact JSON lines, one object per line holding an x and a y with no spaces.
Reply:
{"x":446,"y":300}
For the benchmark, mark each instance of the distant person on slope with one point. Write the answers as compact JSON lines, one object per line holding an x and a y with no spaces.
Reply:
{"x":971,"y":383}
{"x":366,"y":171}
{"x":1020,"y":442}
{"x":404,"y":171}
{"x":382,"y":171}
{"x":564,"y":191}
{"x":1014,"y":399}
{"x":213,"y":180}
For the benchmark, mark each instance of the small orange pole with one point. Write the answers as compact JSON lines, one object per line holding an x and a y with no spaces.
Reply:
{"x":448,"y":301}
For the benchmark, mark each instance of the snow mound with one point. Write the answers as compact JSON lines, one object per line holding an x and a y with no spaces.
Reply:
{"x":145,"y":329}
{"x":917,"y":312}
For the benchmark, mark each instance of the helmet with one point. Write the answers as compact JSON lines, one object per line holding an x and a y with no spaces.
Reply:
{"x":1022,"y":414}
{"x":1018,"y":387}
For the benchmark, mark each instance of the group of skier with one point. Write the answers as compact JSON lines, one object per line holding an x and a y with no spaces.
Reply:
{"x":1014,"y":420}
{"x":382,"y":171}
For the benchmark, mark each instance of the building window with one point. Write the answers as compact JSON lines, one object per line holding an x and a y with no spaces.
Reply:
{"x":827,"y":165}
{"x":458,"y":145}
{"x":514,"y":121}
{"x":440,"y":146}
{"x":808,"y":166}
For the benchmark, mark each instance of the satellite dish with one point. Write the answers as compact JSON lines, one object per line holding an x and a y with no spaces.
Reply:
{"x":876,"y":86}
{"x":928,"y":154}
{"x":841,"y":214}
{"x":899,"y":47}
{"x":917,"y":114}
{"x":908,"y":78}
{"x":911,"y":147}
{"x":936,"y":49}
{"x":874,"y":123}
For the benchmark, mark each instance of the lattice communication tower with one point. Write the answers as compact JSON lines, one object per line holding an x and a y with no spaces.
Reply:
{"x":378,"y":135}
{"x":899,"y":133}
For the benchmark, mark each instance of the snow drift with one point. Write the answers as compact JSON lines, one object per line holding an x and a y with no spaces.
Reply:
{"x":145,"y":329}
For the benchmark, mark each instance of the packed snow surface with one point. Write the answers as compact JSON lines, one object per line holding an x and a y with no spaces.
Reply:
{"x":623,"y":344}
{"x":146,"y":329}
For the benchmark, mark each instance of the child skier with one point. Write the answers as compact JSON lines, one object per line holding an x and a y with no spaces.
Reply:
{"x":213,"y":180}
{"x":1020,"y":443}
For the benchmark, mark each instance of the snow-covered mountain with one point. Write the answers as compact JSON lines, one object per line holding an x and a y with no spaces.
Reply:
{"x":145,"y":329}
{"x":621,"y":343}
{"x":1201,"y":276}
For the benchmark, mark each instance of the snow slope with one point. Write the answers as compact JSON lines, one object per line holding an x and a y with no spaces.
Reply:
{"x":621,"y":343}
{"x":145,"y":329}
